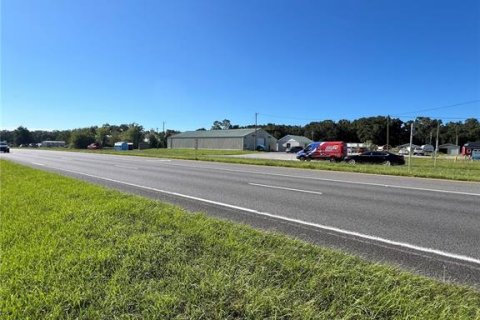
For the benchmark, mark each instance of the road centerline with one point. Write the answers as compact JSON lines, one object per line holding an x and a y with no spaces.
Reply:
{"x":382,"y":185}
{"x":284,"y":188}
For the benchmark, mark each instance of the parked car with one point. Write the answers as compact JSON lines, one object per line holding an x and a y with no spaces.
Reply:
{"x":4,"y":147}
{"x":261,"y":147}
{"x":94,"y":146}
{"x":326,"y":150}
{"x":294,"y":149}
{"x":376,"y":157}
{"x":418,"y":151}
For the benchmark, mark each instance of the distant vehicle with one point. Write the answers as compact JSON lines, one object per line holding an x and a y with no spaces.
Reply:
{"x":4,"y":147}
{"x":376,"y":157}
{"x":418,"y":151}
{"x":403,"y":151}
{"x":428,"y":148}
{"x":261,"y":147}
{"x":326,"y":150}
{"x":94,"y":146}
{"x":295,"y":149}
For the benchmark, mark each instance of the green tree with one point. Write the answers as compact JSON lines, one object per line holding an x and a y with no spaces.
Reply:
{"x":81,"y":138}
{"x":22,"y":135}
{"x":134,"y":134}
{"x":102,"y":134}
{"x":222,"y":125}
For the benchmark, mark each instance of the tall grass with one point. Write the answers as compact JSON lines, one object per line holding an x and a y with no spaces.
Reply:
{"x":73,"y":250}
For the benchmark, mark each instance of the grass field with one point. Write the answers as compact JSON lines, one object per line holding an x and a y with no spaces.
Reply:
{"x":446,"y":168}
{"x":70,"y":249}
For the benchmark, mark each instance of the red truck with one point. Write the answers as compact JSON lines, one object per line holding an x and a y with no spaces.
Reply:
{"x":326,"y":150}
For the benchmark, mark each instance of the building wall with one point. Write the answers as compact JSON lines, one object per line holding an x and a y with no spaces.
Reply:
{"x":226,"y":143}
{"x":263,"y":138}
{"x":284,"y":146}
{"x":206,"y":143}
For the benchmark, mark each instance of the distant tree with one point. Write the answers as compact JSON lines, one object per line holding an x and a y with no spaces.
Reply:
{"x":22,"y":135}
{"x":134,"y":134}
{"x":345,"y":131}
{"x":153,"y":139}
{"x":322,"y":131}
{"x":6,"y":135}
{"x":472,"y":130}
{"x":201,"y":129}
{"x":102,"y":134}
{"x":81,"y":138}
{"x":373,"y":129}
{"x":221,"y":125}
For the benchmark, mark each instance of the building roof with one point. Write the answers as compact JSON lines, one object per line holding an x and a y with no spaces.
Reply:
{"x":472,"y":144}
{"x":448,"y":145}
{"x":300,"y":139}
{"x":230,"y":133}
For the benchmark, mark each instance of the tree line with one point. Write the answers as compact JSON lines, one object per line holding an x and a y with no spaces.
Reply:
{"x":370,"y":129}
{"x":105,"y":135}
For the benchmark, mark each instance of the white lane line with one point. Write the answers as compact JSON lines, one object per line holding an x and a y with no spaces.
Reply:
{"x":125,"y":167}
{"x":38,"y":164}
{"x":335,"y":180}
{"x":305,"y":223}
{"x":284,"y":188}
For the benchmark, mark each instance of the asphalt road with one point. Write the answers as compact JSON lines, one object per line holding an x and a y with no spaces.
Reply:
{"x":428,"y":226}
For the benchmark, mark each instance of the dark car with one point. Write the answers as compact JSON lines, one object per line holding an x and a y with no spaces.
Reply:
{"x":294,"y":149}
{"x":376,"y":157}
{"x":4,"y":147}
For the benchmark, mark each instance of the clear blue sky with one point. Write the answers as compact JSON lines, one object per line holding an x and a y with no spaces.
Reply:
{"x":69,"y":64}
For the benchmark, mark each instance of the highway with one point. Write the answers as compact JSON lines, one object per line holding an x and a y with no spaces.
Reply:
{"x":428,"y":226}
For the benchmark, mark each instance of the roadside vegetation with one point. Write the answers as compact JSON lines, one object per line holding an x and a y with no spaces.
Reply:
{"x":70,"y":249}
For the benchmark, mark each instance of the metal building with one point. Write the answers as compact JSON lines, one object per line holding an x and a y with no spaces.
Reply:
{"x":231,"y":139}
{"x":289,"y":141}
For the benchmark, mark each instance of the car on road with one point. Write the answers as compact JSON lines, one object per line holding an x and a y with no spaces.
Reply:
{"x":4,"y":147}
{"x":376,"y":157}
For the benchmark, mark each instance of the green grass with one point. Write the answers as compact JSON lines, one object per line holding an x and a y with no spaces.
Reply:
{"x":70,"y":249}
{"x":450,"y":169}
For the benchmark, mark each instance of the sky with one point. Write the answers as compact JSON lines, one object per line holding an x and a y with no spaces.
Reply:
{"x":184,"y":64}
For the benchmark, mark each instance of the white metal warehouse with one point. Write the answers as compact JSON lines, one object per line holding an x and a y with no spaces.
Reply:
{"x":231,"y":139}
{"x":289,"y":141}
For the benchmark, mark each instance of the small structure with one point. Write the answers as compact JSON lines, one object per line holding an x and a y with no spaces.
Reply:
{"x":53,"y":144}
{"x":449,"y":148}
{"x":121,"y":146}
{"x":230,"y":139}
{"x":471,"y":149}
{"x":356,"y":148}
{"x":290,"y":141}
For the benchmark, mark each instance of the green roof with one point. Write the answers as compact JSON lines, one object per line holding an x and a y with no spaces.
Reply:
{"x":230,"y":133}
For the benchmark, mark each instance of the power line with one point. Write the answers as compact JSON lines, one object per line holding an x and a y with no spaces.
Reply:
{"x":438,"y":108}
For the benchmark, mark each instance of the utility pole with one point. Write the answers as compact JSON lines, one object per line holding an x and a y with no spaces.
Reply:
{"x":388,"y":132}
{"x":163,"y":129}
{"x":255,"y":133}
{"x":456,"y":134}
{"x":436,"y":145}
{"x":410,"y":151}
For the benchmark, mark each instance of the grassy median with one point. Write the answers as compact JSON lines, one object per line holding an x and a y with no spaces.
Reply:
{"x":70,"y":249}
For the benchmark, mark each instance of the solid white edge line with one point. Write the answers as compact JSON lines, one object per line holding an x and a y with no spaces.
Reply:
{"x":311,"y":224}
{"x":284,"y":188}
{"x":38,"y":164}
